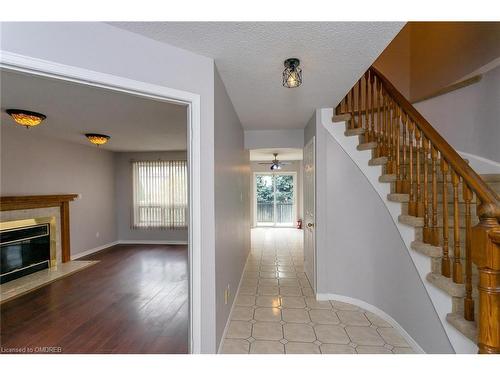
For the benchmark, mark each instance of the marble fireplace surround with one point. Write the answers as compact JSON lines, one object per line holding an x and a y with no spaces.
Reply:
{"x":31,"y":206}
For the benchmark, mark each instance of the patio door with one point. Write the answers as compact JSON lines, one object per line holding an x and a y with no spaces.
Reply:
{"x":275,"y":199}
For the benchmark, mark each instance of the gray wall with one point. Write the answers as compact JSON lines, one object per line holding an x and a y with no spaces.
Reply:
{"x":124,"y":197}
{"x":232,"y":202}
{"x":294,"y":166}
{"x":107,"y":49}
{"x":36,"y":165}
{"x":290,"y":138}
{"x":310,"y":129}
{"x":468,"y":118}
{"x":360,"y":253}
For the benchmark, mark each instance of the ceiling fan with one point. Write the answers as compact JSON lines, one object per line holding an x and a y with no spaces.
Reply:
{"x":275,"y":164}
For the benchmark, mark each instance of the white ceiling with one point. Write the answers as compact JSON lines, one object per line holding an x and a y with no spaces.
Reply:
{"x":266,"y":154}
{"x":249,"y":57}
{"x":134,"y":123}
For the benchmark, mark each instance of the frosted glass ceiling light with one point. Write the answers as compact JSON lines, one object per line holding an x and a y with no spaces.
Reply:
{"x":97,"y":139}
{"x":26,"y":118}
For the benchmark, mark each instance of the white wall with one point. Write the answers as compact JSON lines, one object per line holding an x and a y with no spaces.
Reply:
{"x":360,"y":253}
{"x":124,"y":197}
{"x":232,"y":202}
{"x":107,"y":49}
{"x":291,"y":138}
{"x":294,"y":166}
{"x":468,"y":118}
{"x":36,"y":165}
{"x":310,"y":129}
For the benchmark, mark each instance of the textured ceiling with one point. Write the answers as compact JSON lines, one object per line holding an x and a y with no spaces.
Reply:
{"x":134,"y":123}
{"x":249,"y":57}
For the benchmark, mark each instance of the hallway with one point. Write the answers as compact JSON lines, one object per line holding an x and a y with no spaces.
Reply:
{"x":276,"y":312}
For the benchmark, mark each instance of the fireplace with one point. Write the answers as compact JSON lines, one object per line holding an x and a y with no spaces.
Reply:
{"x":26,"y":246}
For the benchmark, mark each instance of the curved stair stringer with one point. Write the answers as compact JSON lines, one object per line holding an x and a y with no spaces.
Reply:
{"x":442,"y":302}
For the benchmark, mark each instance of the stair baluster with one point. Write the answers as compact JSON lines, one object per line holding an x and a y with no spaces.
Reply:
{"x":425,"y":147}
{"x":457,"y":264}
{"x":360,"y":114}
{"x":351,"y":102}
{"x":402,"y":184}
{"x":372,"y":110}
{"x":468,"y":301}
{"x":434,"y":232}
{"x":367,"y":103}
{"x":445,"y":260}
{"x":395,"y":137}
{"x":389,"y":167}
{"x":379,"y":118}
{"x":419,"y":205}
{"x":382,"y":147}
{"x":386,"y":122}
{"x":412,"y":205}
{"x":397,"y":153}
{"x":381,"y":143}
{"x":346,"y":109}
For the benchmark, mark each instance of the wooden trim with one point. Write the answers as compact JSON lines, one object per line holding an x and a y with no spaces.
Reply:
{"x":450,"y":88}
{"x":473,"y":180}
{"x":65,"y":232}
{"x":34,"y":201}
{"x":27,"y":202}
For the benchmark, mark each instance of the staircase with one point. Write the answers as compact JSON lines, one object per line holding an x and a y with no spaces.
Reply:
{"x":453,"y":211}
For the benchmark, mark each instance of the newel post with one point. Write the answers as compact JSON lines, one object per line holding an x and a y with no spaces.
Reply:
{"x":486,"y":255}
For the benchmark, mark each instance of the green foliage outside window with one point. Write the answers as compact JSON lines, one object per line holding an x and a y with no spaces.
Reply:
{"x":284,"y":188}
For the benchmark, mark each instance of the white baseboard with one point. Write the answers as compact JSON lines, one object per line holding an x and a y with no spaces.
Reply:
{"x":232,"y":306}
{"x":375,"y":310}
{"x":152,"y":242}
{"x":94,"y":250}
{"x":125,"y":242}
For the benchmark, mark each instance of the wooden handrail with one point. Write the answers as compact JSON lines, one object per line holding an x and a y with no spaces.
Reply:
{"x":456,"y":162}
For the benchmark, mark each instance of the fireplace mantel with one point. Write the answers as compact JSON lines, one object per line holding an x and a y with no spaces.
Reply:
{"x":26,"y":202}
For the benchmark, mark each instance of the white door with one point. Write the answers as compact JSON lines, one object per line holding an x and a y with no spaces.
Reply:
{"x":309,"y":213}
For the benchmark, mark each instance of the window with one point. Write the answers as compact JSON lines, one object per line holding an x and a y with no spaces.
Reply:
{"x":275,"y":199}
{"x":160,"y":194}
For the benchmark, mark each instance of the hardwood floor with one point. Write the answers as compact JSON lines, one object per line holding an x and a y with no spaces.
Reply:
{"x":135,"y":300}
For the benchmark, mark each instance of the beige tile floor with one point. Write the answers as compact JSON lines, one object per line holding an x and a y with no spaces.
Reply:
{"x":275,"y":311}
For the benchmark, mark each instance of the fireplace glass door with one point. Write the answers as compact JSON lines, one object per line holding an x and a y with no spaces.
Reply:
{"x":23,"y":251}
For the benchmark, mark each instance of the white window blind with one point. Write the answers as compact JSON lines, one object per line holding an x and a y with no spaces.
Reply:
{"x":160,"y":194}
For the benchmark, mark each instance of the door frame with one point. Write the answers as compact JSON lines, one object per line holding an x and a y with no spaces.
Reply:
{"x":312,"y":142}
{"x":254,"y":189}
{"x":44,"y":68}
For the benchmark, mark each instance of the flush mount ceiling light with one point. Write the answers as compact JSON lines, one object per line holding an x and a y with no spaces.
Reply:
{"x":292,"y":75}
{"x":97,"y":139}
{"x":26,"y":118}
